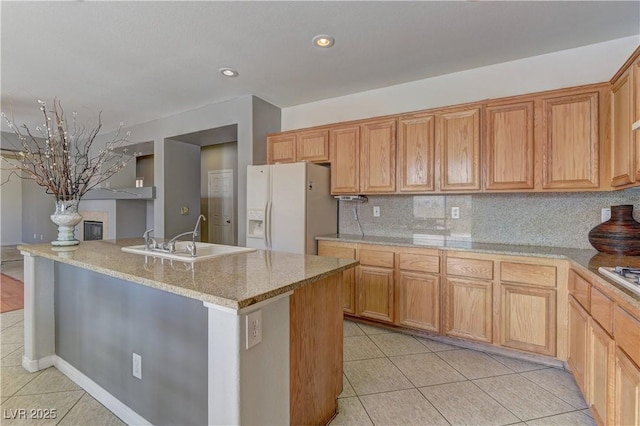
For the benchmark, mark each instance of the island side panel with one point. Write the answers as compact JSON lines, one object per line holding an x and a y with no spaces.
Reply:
{"x":316,"y":351}
{"x":100,"y":321}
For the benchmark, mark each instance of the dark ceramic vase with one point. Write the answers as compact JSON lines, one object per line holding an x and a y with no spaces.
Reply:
{"x":618,"y":235}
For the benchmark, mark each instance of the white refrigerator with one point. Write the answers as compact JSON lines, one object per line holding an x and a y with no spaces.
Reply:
{"x":288,"y":205}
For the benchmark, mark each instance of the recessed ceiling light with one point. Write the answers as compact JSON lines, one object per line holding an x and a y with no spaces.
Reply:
{"x":228,"y":72}
{"x":323,"y":40}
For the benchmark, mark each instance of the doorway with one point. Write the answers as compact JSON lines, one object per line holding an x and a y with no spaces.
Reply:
{"x":220,"y":207}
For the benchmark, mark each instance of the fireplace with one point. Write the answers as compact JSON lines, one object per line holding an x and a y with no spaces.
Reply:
{"x":92,"y":230}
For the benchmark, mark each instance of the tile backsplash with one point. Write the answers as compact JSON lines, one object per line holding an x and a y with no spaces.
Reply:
{"x":539,"y":219}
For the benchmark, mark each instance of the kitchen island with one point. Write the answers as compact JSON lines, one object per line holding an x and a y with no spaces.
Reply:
{"x":90,"y":309}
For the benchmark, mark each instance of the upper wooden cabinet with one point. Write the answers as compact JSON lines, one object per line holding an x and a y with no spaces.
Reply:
{"x":344,"y":149}
{"x":509,"y":146}
{"x":312,"y":146}
{"x":378,"y":156}
{"x":416,"y":153}
{"x":458,"y":140}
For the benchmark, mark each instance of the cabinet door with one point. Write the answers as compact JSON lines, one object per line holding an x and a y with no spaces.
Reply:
{"x":578,"y":344}
{"x":570,"y":142}
{"x":378,"y":156}
{"x":627,"y":392}
{"x":468,"y":312}
{"x":375,"y":293}
{"x":313,"y":146}
{"x":622,"y":152}
{"x":419,"y":301}
{"x":528,"y":318}
{"x":509,"y":146}
{"x":344,"y":151}
{"x":458,"y":141}
{"x":601,"y":373}
{"x":348,"y":276}
{"x":416,"y":153}
{"x":281,"y":149}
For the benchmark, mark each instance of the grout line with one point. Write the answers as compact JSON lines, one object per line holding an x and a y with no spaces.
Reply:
{"x":72,"y":407}
{"x":559,"y":414}
{"x":557,"y":396}
{"x":498,"y":402}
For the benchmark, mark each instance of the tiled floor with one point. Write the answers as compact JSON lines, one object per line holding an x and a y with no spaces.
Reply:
{"x":389,"y":379}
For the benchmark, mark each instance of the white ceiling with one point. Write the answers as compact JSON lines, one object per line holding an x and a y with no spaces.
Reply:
{"x":138,"y":61}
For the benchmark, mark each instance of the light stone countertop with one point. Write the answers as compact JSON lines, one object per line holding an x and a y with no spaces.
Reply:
{"x":585,"y":259}
{"x":232,"y":281}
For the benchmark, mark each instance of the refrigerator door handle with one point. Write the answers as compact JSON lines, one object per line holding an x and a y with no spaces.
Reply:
{"x":267,"y":225}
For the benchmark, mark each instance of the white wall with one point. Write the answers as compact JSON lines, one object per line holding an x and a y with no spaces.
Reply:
{"x":584,"y":65}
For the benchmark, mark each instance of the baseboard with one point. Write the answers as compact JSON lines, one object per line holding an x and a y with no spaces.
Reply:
{"x":33,"y":365}
{"x":125,"y":413}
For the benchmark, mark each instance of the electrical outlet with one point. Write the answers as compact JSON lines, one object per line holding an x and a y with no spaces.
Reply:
{"x":137,"y":366}
{"x":376,"y":211}
{"x":605,"y":214}
{"x":254,"y":328}
{"x":455,"y":212}
{"x":184,"y":210}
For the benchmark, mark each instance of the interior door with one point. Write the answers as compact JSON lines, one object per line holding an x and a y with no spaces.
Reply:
{"x":221,"y":212}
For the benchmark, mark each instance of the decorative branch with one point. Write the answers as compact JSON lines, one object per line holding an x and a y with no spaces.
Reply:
{"x":60,"y":160}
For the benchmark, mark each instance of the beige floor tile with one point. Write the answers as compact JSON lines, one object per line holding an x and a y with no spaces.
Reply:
{"x":369,"y":329}
{"x":14,"y":378}
{"x":560,"y":383}
{"x":517,"y":365}
{"x":88,"y":411}
{"x":8,"y":319}
{"x":522,"y":397}
{"x":51,"y":380}
{"x":9,"y":348}
{"x":57,"y":404}
{"x":436,"y":346}
{"x":405,"y":407}
{"x":464,"y":403}
{"x":351,"y":412}
{"x":14,"y":359}
{"x":587,"y":412}
{"x":575,"y":418}
{"x":426,"y":369}
{"x":350,"y":328}
{"x":347,"y":389}
{"x":393,"y":344}
{"x":14,"y":270}
{"x":13,"y":334}
{"x":360,"y":347}
{"x":375,"y":375}
{"x":474,"y":364}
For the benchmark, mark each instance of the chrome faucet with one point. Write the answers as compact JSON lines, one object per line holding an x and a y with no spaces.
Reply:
{"x":149,"y":241}
{"x":191,"y":248}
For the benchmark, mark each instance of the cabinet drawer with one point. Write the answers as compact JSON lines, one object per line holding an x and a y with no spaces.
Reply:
{"x":525,"y":273}
{"x":602,"y":309}
{"x":379,"y":258}
{"x":420,"y":262}
{"x":579,"y":288}
{"x":333,"y":251}
{"x":471,"y":268}
{"x":627,"y":333}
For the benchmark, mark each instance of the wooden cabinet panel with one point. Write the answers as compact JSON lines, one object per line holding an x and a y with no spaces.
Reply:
{"x":636,"y":116}
{"x":570,"y":142}
{"x":378,"y":157}
{"x":509,"y":136}
{"x":580,"y":288}
{"x":343,"y":251}
{"x":468,"y":312}
{"x":622,"y":149}
{"x":344,"y":151}
{"x":627,"y":391}
{"x":313,"y":146}
{"x":602,"y":309}
{"x":627,"y":333}
{"x":528,"y":319}
{"x":601,"y":363}
{"x":471,"y":268}
{"x":376,"y":256}
{"x":375,"y":293}
{"x":458,"y":139}
{"x":578,"y":344}
{"x":416,"y":153}
{"x":281,"y":148}
{"x":419,"y":301}
{"x":525,"y":273}
{"x":420,"y":262}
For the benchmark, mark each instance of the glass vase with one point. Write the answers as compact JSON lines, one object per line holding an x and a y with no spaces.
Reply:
{"x":66,"y":217}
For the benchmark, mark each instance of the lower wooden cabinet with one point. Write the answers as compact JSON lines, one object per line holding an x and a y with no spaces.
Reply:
{"x":627,"y":391}
{"x":578,"y":343}
{"x":343,"y":251}
{"x":601,"y":357}
{"x":375,"y":293}
{"x":418,"y":301}
{"x":468,"y":312}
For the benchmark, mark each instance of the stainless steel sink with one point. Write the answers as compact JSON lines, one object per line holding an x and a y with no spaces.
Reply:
{"x":204,"y":251}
